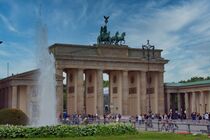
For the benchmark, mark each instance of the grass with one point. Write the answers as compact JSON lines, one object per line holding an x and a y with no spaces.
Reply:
{"x":140,"y":136}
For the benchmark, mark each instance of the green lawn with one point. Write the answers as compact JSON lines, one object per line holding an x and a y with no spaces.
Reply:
{"x":141,"y":136}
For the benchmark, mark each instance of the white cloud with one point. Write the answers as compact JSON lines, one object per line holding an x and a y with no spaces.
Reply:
{"x":7,"y":23}
{"x":180,"y":30}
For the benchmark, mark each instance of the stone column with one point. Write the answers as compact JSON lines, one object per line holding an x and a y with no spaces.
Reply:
{"x":111,"y":92}
{"x":59,"y":92}
{"x":91,"y":91}
{"x":116,"y":91}
{"x":95,"y":74}
{"x":28,"y":97}
{"x":168,"y":102}
{"x":138,"y":84}
{"x":14,"y":97}
{"x":156,"y":91}
{"x":161,"y":100}
{"x":67,"y":93}
{"x":193,"y":103}
{"x":186,"y":100}
{"x":80,"y":91}
{"x":100,"y":95}
{"x":208,"y":103}
{"x":154,"y":102}
{"x":71,"y":86}
{"x":202,"y":103}
{"x":125,"y":92}
{"x":179,"y":101}
{"x":143,"y":93}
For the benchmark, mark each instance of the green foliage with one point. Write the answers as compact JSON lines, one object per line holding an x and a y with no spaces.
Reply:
{"x":207,"y":78}
{"x":13,"y":117}
{"x":65,"y":131}
{"x":194,"y":79}
{"x":105,"y":83}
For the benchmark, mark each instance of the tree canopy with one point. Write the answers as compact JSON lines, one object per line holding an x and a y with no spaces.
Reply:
{"x":194,"y":79}
{"x":105,"y":83}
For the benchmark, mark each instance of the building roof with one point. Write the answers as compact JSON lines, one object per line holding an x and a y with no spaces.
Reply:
{"x":204,"y":82}
{"x":24,"y":75}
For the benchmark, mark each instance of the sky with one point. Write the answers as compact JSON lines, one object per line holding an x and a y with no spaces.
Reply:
{"x":180,"y":28}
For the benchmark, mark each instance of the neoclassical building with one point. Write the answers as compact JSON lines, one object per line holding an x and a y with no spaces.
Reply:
{"x":16,"y":90}
{"x":20,"y":91}
{"x":191,"y":97}
{"x":135,"y":83}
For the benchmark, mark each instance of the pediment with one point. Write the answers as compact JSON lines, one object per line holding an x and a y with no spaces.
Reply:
{"x":27,"y":75}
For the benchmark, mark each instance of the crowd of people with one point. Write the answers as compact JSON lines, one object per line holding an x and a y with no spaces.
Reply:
{"x":76,"y":119}
{"x":199,"y":117}
{"x":138,"y":119}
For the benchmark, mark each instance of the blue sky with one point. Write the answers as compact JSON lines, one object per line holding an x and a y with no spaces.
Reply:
{"x":180,"y":28}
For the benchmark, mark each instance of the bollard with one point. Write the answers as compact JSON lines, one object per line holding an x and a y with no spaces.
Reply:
{"x":188,"y":125}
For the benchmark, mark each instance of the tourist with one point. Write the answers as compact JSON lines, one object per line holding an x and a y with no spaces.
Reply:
{"x":139,"y":119}
{"x":117,"y":119}
{"x":193,"y":116}
{"x":119,"y":116}
{"x":165,"y":117}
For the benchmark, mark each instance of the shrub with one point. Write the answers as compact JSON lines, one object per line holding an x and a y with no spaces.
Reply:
{"x":65,"y":131}
{"x":13,"y":117}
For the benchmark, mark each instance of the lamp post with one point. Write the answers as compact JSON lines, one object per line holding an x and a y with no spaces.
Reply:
{"x":147,"y":51}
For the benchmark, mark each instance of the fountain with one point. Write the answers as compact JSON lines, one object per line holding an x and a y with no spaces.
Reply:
{"x":46,"y":81}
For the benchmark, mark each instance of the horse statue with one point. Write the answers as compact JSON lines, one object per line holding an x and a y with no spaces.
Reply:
{"x":104,"y":36}
{"x":121,"y":38}
{"x":114,"y":38}
{"x":118,"y":38}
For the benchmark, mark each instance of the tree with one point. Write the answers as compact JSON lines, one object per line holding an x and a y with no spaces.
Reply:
{"x":194,"y":79}
{"x":105,"y":83}
{"x":207,"y":78}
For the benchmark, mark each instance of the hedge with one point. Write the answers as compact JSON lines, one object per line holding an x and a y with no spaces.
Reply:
{"x":13,"y":117}
{"x":8,"y":131}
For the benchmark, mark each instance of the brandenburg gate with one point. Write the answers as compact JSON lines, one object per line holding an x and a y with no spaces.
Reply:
{"x":128,"y":78}
{"x":135,"y":82}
